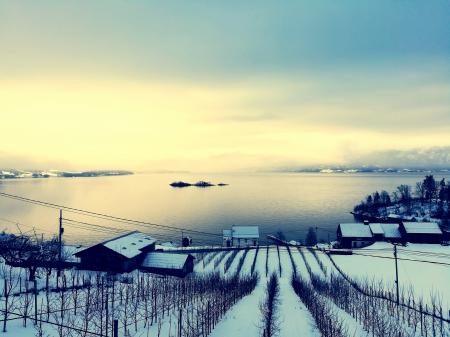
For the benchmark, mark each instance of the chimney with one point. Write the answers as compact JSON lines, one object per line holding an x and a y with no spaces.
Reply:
{"x":366,"y":222}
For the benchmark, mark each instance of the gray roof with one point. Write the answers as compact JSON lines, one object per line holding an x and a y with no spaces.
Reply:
{"x":165,"y":260}
{"x":388,"y":230}
{"x":422,"y":228}
{"x":376,"y":228}
{"x":355,"y":230}
{"x":391,"y":231}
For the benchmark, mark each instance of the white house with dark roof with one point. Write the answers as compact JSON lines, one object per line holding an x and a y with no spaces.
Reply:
{"x":241,"y":235}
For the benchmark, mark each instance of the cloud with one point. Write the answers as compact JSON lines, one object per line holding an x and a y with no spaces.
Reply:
{"x":25,"y":162}
{"x":434,"y":157}
{"x":392,"y":99}
{"x":218,"y":85}
{"x":215,"y":41}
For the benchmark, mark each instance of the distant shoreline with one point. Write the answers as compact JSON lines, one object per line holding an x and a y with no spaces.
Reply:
{"x":19,"y":174}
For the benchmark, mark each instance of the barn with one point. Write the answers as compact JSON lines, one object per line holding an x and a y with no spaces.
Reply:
{"x":421,"y":232}
{"x":168,"y":264}
{"x":121,"y":254}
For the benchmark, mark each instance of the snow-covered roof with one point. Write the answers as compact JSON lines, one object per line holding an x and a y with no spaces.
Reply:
{"x":355,"y":230}
{"x":245,"y":232}
{"x":164,"y":260}
{"x":376,"y":228}
{"x":391,"y":231}
{"x":388,"y":230}
{"x":131,"y":244}
{"x":422,"y":228}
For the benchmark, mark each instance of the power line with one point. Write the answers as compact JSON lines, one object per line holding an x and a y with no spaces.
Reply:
{"x":102,"y":215}
{"x":403,"y":259}
{"x":111,"y":230}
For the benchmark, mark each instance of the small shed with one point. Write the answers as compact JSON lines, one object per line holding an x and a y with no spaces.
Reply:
{"x":121,"y":254}
{"x":421,"y":232}
{"x":237,"y":235}
{"x":354,"y":235}
{"x":168,"y":264}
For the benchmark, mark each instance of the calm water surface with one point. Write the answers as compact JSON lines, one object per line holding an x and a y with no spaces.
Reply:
{"x":288,"y":202}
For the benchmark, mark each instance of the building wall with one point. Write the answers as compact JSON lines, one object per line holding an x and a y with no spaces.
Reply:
{"x":424,"y":238}
{"x":348,"y":242}
{"x":103,"y":259}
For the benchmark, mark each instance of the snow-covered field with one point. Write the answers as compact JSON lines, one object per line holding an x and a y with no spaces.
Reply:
{"x":425,"y":279}
{"x":245,"y":319}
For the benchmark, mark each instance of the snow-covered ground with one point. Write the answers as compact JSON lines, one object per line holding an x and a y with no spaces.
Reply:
{"x":245,"y":319}
{"x":425,"y":279}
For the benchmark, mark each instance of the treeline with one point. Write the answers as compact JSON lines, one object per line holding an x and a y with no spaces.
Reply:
{"x":430,"y":192}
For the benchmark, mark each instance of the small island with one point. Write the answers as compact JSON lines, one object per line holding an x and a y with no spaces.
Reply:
{"x":201,"y":183}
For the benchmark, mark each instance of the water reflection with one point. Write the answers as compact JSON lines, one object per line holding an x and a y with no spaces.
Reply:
{"x":288,"y":202}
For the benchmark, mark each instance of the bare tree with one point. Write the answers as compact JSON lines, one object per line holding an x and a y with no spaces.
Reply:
{"x":10,"y":283}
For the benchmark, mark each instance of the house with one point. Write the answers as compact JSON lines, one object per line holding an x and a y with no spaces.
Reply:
{"x":354,"y":235}
{"x":168,"y":264}
{"x":121,"y":254}
{"x":237,"y":235}
{"x":421,"y":232}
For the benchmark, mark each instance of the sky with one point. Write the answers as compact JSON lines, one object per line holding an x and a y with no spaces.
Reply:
{"x":221,"y":86}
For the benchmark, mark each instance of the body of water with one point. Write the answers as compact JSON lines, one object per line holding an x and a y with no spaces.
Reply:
{"x":288,"y":202}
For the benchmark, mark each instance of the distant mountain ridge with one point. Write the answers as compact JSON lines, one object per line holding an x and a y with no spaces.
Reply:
{"x":17,"y":174}
{"x":365,"y":169}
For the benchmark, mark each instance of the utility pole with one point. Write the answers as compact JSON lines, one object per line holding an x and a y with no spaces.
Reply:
{"x":60,"y":233}
{"x":396,"y":273}
{"x":115,"y":328}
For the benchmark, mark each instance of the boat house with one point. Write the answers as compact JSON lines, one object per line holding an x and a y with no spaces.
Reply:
{"x":122,"y":254}
{"x":168,"y":264}
{"x":421,"y":232}
{"x":241,"y":235}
